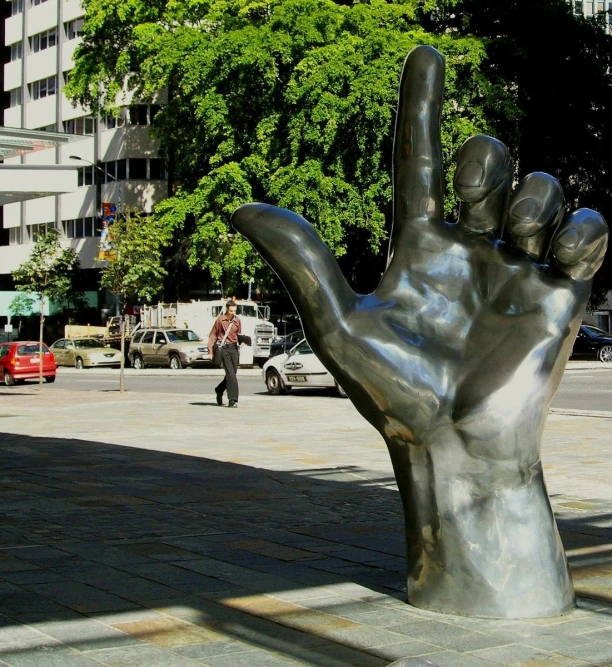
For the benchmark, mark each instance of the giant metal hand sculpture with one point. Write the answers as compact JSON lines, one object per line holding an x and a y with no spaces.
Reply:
{"x":457,"y":354}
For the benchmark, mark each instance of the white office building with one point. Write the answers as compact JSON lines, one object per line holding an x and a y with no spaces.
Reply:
{"x":118,"y":158}
{"x":592,"y":8}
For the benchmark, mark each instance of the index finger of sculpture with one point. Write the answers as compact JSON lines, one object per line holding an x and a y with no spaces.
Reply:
{"x":294,"y":250}
{"x":418,"y":186}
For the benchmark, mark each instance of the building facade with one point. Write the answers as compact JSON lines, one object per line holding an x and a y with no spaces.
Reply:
{"x":592,"y":8}
{"x":116,"y":158}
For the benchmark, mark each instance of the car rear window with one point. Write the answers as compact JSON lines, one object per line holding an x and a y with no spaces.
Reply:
{"x":30,"y":349}
{"x":182,"y":335}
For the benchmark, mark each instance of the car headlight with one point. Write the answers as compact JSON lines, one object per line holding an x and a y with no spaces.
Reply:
{"x":259,"y":341}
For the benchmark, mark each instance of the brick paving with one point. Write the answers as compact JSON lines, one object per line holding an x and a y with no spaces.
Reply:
{"x":162,"y":530}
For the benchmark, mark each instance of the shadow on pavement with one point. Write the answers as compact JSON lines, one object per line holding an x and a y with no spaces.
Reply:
{"x":129,"y":556}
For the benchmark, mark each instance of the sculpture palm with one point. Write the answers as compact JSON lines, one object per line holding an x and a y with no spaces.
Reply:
{"x":456,"y":355}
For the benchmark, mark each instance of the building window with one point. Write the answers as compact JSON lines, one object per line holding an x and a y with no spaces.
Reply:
{"x":16,"y":7}
{"x":138,"y":114}
{"x":43,"y":88}
{"x":86,"y":176}
{"x":15,"y":97}
{"x":16,"y":51}
{"x":80,"y":228}
{"x":589,"y":8}
{"x":137,"y":168}
{"x":74,"y":29}
{"x":83,"y":125}
{"x":121,"y":170}
{"x":37,"y":232}
{"x":134,"y":168}
{"x":110,"y":122}
{"x":35,"y":3}
{"x":578,"y":8}
{"x":15,"y":236}
{"x":601,"y":7}
{"x":44,"y":40}
{"x":47,"y":128}
{"x":157,"y":171}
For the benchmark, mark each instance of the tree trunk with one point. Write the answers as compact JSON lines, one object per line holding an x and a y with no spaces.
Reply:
{"x":40,"y":346}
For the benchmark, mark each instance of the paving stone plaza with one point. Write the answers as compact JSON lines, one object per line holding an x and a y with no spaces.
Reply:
{"x":160,"y":530}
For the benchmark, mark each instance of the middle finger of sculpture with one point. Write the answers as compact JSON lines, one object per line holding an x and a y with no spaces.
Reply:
{"x":457,"y":354}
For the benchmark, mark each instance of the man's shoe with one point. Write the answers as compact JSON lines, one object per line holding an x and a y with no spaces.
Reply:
{"x":233,"y":404}
{"x":219,"y":397}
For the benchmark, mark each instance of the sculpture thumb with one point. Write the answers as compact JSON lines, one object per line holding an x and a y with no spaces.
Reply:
{"x":307,"y":268}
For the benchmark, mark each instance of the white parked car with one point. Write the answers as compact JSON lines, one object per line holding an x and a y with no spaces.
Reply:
{"x":297,"y":368}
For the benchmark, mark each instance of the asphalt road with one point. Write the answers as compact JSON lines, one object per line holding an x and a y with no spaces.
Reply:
{"x":580,"y":390}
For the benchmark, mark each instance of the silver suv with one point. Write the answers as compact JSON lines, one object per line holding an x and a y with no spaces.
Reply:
{"x":175,"y":348}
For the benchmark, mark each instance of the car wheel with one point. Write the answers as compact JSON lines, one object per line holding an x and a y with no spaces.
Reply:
{"x":49,"y":378}
{"x":175,"y":362}
{"x":9,"y":380}
{"x":274,"y":383}
{"x":340,"y":391}
{"x":138,"y":363}
{"x":605,"y":354}
{"x":79,"y":363}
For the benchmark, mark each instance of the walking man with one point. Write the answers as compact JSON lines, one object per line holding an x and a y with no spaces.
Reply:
{"x":225,"y":331}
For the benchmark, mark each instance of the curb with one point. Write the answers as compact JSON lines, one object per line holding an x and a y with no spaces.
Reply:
{"x":157,"y":372}
{"x":601,"y":414}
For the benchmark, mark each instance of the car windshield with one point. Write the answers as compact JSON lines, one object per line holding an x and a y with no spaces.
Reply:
{"x":31,"y":348}
{"x":87,"y":343}
{"x":594,"y":331}
{"x":302,"y":348}
{"x":182,"y":335}
{"x":246,"y":311}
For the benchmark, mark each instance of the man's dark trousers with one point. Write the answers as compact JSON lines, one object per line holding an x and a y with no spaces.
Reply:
{"x":229,"y":357}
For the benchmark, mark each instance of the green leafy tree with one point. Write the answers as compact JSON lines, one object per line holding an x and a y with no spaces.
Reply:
{"x":21,"y":306}
{"x":290,"y":102}
{"x":134,"y":266}
{"x":49,"y":273}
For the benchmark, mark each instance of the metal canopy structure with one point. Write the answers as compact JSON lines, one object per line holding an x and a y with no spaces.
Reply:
{"x":20,"y":182}
{"x":15,"y":142}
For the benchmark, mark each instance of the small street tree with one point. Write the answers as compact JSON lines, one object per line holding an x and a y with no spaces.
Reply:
{"x":49,"y":273}
{"x":134,"y":266}
{"x":21,"y":306}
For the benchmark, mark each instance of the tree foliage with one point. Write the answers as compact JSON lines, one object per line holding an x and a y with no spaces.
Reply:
{"x":51,"y":271}
{"x":134,"y":268}
{"x":291,"y":102}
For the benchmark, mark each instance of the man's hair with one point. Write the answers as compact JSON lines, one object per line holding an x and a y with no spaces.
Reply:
{"x":230,"y":303}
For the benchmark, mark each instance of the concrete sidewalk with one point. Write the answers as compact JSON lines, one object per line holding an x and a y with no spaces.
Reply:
{"x":256,"y":372}
{"x":162,"y":530}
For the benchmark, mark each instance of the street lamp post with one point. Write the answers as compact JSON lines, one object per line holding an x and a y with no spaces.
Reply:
{"x":117,"y":309}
